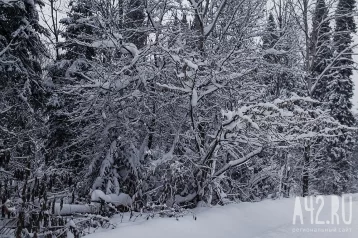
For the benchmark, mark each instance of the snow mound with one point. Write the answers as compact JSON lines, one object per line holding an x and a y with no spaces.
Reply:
{"x":121,"y":199}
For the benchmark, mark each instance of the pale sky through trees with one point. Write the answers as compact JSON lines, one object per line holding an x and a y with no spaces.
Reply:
{"x":62,"y":14}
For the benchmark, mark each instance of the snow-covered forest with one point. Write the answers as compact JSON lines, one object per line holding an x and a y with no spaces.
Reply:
{"x":158,"y":106}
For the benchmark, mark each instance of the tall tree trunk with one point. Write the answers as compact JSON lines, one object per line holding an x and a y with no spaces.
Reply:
{"x":305,"y":178}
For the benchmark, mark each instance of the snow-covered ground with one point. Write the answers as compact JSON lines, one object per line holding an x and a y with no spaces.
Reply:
{"x":270,"y":218}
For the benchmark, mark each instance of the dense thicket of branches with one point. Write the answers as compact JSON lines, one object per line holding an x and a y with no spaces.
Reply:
{"x":172,"y":103}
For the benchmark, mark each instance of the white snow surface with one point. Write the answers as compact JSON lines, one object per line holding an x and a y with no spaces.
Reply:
{"x":269,"y":218}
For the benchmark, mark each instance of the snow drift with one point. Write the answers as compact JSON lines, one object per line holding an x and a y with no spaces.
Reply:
{"x":270,"y":218}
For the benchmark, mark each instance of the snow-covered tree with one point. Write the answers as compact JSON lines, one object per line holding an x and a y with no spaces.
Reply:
{"x":22,"y":111}
{"x":171,"y":103}
{"x":75,"y":59}
{"x":341,"y":86}
{"x":321,"y":49}
{"x":23,"y":94}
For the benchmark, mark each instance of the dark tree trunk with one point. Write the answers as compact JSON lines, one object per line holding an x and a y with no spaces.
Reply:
{"x":305,"y":178}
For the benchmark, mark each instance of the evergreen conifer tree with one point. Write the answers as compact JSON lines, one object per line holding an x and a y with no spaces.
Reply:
{"x":22,"y":94}
{"x":68,"y":71}
{"x":334,"y":166}
{"x":342,"y":92}
{"x":79,"y":30}
{"x":341,"y":86}
{"x":270,"y":37}
{"x":22,"y":102}
{"x":321,"y":50}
